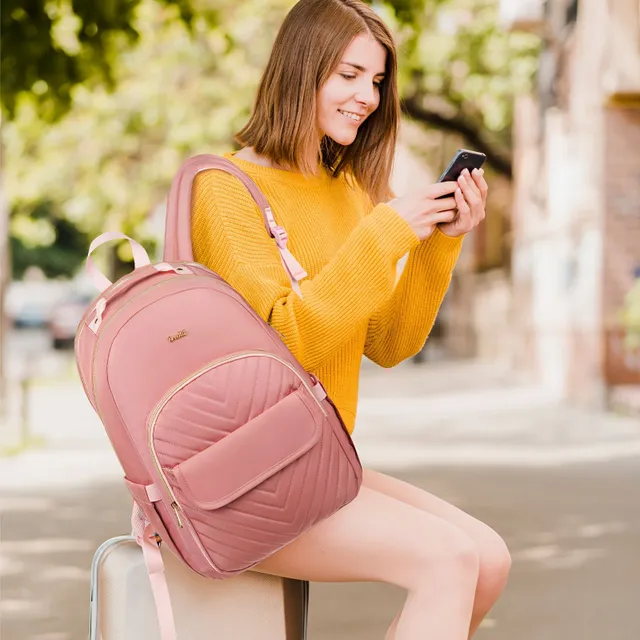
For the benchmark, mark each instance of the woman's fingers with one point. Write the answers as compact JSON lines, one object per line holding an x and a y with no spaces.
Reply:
{"x":470,"y":198}
{"x":461,"y":213}
{"x":473,"y":197}
{"x":469,"y":188}
{"x":440,"y":217}
{"x":481,"y":183}
{"x":461,"y":203}
{"x":440,"y":189}
{"x":443,"y":204}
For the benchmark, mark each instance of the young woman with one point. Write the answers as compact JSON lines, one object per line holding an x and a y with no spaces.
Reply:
{"x":320,"y":145}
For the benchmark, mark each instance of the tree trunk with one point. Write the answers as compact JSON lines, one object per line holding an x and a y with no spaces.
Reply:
{"x":5,"y":277}
{"x":497,"y":157}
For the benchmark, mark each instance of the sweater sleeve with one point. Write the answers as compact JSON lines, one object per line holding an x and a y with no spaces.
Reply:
{"x":400,"y":327}
{"x":334,"y":303}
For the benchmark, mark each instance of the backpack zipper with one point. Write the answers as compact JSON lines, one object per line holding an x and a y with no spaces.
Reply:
{"x":96,"y":406}
{"x":115,"y":315}
{"x":80,"y":374}
{"x":112,"y":288}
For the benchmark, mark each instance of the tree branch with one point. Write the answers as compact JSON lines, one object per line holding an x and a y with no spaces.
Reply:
{"x":498,"y":158}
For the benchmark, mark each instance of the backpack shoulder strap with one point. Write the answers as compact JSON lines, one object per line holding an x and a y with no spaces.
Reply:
{"x":177,"y":241}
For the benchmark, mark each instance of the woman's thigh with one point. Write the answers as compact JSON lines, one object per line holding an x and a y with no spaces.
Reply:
{"x":375,"y":538}
{"x":485,"y":538}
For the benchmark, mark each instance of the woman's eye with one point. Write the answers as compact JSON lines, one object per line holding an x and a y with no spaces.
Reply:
{"x":350,"y":76}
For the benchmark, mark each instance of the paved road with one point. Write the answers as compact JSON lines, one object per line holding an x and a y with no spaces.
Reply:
{"x":457,"y":413}
{"x":560,"y":485}
{"x":574,"y":532}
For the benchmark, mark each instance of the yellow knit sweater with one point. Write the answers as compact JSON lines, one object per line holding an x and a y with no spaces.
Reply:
{"x":351,"y":305}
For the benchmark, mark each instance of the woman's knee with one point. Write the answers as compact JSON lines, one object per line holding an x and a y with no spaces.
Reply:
{"x":494,"y":565}
{"x":455,"y":558}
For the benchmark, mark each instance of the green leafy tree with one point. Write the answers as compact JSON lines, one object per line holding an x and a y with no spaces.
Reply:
{"x":50,"y":46}
{"x":50,"y":49}
{"x":165,"y":79}
{"x":109,"y":162}
{"x":460,"y":71}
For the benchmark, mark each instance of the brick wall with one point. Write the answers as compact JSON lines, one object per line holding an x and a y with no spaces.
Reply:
{"x":621,"y":235}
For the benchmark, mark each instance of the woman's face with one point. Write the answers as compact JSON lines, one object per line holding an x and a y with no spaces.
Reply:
{"x":352,"y":92}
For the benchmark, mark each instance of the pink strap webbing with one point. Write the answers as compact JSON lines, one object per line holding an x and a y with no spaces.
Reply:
{"x":144,"y":533}
{"x":177,"y":240}
{"x":140,"y":257}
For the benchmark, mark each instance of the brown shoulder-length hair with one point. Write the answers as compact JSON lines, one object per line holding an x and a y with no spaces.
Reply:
{"x":307,"y":50}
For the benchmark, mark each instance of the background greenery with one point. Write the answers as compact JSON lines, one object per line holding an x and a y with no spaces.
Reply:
{"x":103,"y":100}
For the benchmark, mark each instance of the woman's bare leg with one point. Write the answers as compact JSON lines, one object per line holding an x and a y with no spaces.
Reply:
{"x":495,"y":560}
{"x":380,"y":539}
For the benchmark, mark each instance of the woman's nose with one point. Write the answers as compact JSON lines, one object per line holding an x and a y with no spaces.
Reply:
{"x":366,"y":95}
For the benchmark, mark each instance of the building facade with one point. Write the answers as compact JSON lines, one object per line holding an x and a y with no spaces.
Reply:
{"x":576,"y":203}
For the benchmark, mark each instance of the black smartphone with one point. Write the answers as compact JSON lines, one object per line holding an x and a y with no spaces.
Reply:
{"x":464,"y":159}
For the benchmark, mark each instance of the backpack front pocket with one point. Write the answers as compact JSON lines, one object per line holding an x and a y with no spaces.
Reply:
{"x":237,"y":470}
{"x":250,"y":454}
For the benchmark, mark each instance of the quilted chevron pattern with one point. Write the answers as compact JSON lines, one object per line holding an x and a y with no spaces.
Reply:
{"x":311,"y":483}
{"x":217,"y":403}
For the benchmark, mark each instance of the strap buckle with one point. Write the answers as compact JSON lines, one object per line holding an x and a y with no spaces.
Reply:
{"x":280,"y":235}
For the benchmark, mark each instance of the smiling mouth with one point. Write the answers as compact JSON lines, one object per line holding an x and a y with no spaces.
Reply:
{"x":354,"y":117}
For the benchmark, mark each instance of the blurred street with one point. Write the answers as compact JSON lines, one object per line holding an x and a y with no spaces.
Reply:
{"x":557,"y":483}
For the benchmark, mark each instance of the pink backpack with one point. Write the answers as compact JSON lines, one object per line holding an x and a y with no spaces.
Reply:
{"x":230,"y":449}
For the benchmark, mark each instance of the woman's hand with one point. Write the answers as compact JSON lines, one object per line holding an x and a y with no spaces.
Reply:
{"x":471,"y":199}
{"x":455,"y":207}
{"x":425,"y":208}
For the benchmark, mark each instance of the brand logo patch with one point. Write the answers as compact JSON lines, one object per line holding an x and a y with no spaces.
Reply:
{"x":181,"y":334}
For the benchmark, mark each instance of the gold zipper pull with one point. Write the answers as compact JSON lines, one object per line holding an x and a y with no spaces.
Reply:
{"x":176,"y":511}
